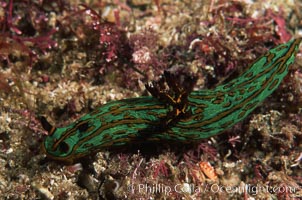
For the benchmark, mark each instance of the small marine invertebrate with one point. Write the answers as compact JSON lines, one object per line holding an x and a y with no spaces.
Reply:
{"x":208,"y":170}
{"x":175,"y":115}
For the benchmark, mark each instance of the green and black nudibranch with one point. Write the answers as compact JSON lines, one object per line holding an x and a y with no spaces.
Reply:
{"x":179,"y":115}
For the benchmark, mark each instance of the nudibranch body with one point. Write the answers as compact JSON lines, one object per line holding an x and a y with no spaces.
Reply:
{"x":180,"y":117}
